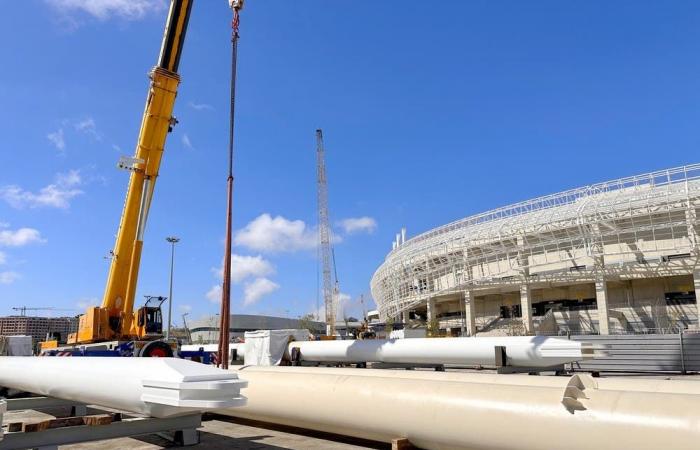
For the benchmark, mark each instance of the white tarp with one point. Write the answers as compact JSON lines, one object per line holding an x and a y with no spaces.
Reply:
{"x":16,"y":346}
{"x":267,"y":347}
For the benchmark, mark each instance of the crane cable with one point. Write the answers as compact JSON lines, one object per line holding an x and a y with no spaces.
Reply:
{"x":225,"y":316}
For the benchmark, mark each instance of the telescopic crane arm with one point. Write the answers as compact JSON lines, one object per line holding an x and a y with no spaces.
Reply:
{"x":116,"y":319}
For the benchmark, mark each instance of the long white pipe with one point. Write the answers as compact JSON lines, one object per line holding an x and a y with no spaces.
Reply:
{"x":609,"y":384}
{"x":158,"y":387}
{"x":523,"y":351}
{"x":441,"y":411}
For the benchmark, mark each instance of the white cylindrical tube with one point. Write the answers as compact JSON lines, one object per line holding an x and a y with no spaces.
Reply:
{"x":561,"y":382}
{"x":158,"y":387}
{"x":523,"y":351}
{"x":435,"y":411}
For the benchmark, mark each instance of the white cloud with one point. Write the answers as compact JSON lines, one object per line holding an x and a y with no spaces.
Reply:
{"x":184,"y":308}
{"x":55,"y":195}
{"x":3,"y":258}
{"x":214,"y":294}
{"x":260,"y":287}
{"x":243,"y":267}
{"x":278,"y":234}
{"x":358,"y":225}
{"x":105,"y":9}
{"x":200,"y":106}
{"x":20,"y":237}
{"x":319,"y":314}
{"x":57,"y":139}
{"x":88,"y":126}
{"x":186,"y":142}
{"x":86,"y":303}
{"x":8,"y":277}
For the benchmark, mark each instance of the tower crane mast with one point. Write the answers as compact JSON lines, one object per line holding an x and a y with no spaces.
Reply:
{"x":324,"y":235}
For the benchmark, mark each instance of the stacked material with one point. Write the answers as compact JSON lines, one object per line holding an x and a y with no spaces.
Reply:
{"x":157,"y":387}
{"x":16,"y":346}
{"x":523,"y":351}
{"x":436,"y":410}
{"x":238,"y":347}
{"x":268,"y":347}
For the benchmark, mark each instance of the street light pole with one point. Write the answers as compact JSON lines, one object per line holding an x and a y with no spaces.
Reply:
{"x":173,"y":240}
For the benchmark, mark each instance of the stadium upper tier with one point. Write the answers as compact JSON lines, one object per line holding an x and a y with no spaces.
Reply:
{"x":640,"y":222}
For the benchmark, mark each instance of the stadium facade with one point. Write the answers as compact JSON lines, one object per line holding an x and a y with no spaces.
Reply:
{"x":613,"y":257}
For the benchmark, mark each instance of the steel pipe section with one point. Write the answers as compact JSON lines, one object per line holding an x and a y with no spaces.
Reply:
{"x":609,"y":384}
{"x":437,"y":410}
{"x":523,"y":351}
{"x":157,"y":387}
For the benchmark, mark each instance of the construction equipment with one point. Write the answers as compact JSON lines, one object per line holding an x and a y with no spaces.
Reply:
{"x":225,"y":313}
{"x":115,"y":319}
{"x":324,"y":236}
{"x":153,"y":387}
{"x":443,"y":410}
{"x":114,"y":328}
{"x":23,"y":309}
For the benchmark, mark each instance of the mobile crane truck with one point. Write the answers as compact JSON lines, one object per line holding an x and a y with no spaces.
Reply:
{"x":114,"y":328}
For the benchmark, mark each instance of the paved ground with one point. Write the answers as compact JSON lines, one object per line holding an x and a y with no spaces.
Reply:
{"x":224,"y":433}
{"x":217,"y":432}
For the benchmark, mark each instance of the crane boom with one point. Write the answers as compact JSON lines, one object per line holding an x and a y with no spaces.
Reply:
{"x":116,"y":317}
{"x":324,"y":235}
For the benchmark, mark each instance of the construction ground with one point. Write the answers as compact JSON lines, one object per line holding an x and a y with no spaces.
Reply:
{"x":217,"y":432}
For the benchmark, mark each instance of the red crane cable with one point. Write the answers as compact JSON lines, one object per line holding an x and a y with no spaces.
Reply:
{"x":225,"y":315}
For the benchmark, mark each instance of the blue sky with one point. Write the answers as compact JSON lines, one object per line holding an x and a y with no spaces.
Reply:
{"x":430,"y":113}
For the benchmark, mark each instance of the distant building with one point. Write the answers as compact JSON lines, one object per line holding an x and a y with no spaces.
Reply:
{"x":616,"y":257}
{"x":207,"y":329}
{"x":38,"y":327}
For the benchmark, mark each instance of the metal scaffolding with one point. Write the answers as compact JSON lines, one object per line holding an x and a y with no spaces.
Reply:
{"x":635,"y":225}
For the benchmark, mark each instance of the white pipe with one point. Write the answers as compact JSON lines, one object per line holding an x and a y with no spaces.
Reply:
{"x":403,"y":235}
{"x":158,"y":387}
{"x":437,"y":411}
{"x":609,"y":384}
{"x":523,"y":351}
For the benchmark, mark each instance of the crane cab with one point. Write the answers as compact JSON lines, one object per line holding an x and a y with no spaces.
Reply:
{"x":149,"y":320}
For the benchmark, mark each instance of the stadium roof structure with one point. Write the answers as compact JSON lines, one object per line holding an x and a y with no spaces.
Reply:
{"x":633,"y":220}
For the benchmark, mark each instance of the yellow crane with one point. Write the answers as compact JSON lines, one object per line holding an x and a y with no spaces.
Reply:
{"x":116,"y":319}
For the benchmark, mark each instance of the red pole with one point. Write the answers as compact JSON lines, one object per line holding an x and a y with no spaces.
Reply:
{"x":225,"y":317}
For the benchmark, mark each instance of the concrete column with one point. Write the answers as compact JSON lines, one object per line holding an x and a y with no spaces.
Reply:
{"x":432,"y":310}
{"x":469,"y":314}
{"x":601,"y":297}
{"x":526,"y":308}
{"x":406,"y":317}
{"x":432,"y":315}
{"x":601,"y":285}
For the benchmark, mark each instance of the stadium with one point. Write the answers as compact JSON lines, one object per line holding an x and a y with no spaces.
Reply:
{"x":610,"y":258}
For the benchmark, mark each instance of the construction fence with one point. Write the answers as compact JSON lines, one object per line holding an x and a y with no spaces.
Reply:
{"x":679,"y":353}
